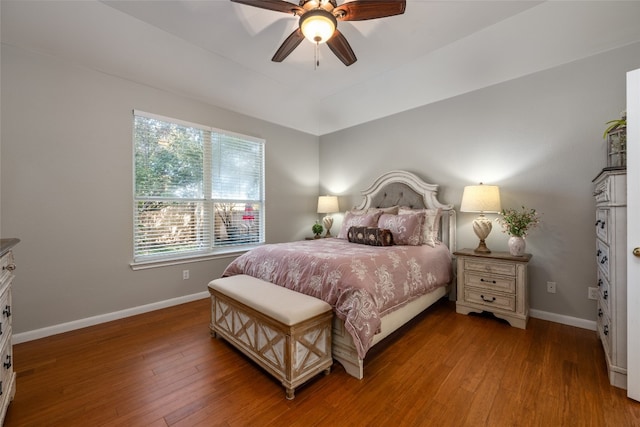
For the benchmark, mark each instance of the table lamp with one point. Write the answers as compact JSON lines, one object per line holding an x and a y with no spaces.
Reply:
{"x":327,"y":205}
{"x":483,"y":199}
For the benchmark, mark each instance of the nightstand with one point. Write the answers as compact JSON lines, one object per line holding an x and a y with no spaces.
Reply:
{"x":494,"y":282}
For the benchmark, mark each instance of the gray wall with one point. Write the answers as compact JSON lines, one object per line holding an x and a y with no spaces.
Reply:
{"x":67,"y":188}
{"x":538,"y":137}
{"x":66,"y":176}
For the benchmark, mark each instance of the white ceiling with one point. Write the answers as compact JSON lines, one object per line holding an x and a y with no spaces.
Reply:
{"x":220,"y":52}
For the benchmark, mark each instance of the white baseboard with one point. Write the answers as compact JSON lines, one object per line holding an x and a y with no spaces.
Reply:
{"x":565,"y":320}
{"x":103,"y":318}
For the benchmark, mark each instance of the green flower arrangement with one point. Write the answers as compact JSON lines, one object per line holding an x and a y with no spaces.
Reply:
{"x":317,"y":229}
{"x":518,"y":223}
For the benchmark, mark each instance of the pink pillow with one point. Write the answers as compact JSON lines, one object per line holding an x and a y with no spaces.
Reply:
{"x":357,"y":220}
{"x":431,"y":225}
{"x":406,"y":229}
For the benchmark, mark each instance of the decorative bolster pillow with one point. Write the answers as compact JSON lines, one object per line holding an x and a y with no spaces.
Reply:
{"x":372,"y":236}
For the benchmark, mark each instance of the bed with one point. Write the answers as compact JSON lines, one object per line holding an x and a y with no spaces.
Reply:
{"x":374,"y":290}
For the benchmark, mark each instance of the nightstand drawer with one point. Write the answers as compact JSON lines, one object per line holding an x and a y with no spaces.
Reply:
{"x":506,"y":269}
{"x":486,"y":281}
{"x":490,"y":299}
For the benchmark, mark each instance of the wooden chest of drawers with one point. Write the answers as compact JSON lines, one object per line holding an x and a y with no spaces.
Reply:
{"x":494,"y":282}
{"x":7,"y":375}
{"x":611,"y":240}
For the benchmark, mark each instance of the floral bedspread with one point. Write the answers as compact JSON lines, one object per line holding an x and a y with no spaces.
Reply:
{"x":362,"y":283}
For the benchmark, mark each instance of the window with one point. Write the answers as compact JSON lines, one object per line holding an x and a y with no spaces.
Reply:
{"x":197,"y":190}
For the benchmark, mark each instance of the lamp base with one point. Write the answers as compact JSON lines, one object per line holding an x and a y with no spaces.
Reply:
{"x":327,"y":221}
{"x":482,"y":228}
{"x":482,"y":248}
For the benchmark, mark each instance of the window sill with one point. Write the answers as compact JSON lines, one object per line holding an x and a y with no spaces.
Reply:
{"x":165,"y":262}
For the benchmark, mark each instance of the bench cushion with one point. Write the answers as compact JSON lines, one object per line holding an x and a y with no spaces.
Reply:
{"x":284,"y":305}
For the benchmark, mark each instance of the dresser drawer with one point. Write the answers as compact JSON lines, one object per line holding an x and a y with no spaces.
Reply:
{"x":490,"y":299}
{"x":604,"y":292}
{"x":503,"y":268}
{"x":602,"y":258}
{"x":602,"y":224}
{"x":604,"y":328}
{"x":491,"y":282}
{"x":7,"y":266}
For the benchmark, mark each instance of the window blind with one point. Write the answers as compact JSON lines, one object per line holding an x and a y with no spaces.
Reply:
{"x":196,"y":188}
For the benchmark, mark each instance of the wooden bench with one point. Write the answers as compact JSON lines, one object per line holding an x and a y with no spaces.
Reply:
{"x":285,"y":332}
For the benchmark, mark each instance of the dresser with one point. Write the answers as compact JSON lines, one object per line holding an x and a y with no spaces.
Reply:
{"x":7,"y":375}
{"x":495,"y":282}
{"x":611,"y":239}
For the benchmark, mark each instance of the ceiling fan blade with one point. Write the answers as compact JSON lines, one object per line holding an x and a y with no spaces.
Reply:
{"x":340,"y":46}
{"x":360,"y":10}
{"x":288,"y":45}
{"x":277,"y":5}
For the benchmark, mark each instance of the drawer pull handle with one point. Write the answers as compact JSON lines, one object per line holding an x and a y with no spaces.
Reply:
{"x":599,"y":282}
{"x":7,"y":363}
{"x":485,"y":299}
{"x":605,"y":294}
{"x":598,"y":252}
{"x":604,"y":260}
{"x":7,"y":311}
{"x":488,"y":281}
{"x":10,"y":267}
{"x":606,"y":329}
{"x":602,"y":225}
{"x":599,"y":312}
{"x":597,"y":222}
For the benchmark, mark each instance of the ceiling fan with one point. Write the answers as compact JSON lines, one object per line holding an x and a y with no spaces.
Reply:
{"x":319,"y":20}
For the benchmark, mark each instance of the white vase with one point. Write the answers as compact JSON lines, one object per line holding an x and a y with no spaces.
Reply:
{"x":516,"y":245}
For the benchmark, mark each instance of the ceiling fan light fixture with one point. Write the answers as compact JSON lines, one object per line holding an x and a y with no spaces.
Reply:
{"x":318,"y":25}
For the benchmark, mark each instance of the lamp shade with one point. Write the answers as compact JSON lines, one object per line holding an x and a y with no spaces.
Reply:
{"x":328,"y":204}
{"x":481,"y":198}
{"x":318,"y":25}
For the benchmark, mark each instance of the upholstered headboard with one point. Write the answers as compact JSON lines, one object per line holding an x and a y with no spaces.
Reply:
{"x":401,"y":188}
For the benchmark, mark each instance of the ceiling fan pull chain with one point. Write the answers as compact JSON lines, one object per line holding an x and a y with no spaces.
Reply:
{"x":316,"y":58}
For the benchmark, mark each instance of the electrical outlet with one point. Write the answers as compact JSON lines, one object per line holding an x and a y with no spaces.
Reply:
{"x":593,"y":293}
{"x":551,"y":287}
{"x":185,"y":274}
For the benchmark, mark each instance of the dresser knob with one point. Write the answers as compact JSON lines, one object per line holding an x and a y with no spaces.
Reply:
{"x":636,"y":252}
{"x":605,"y":294}
{"x":7,"y":311}
{"x":599,"y":312}
{"x":606,"y":329}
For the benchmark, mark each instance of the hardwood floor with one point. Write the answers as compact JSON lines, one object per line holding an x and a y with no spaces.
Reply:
{"x":444,"y":369}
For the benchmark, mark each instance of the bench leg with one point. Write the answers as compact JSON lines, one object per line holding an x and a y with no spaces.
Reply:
{"x":213,"y":333}
{"x":290,"y":393}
